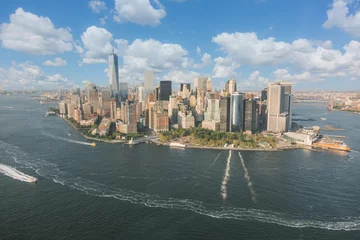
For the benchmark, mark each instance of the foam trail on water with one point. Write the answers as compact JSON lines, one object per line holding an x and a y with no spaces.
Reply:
{"x":7,"y":107}
{"x":213,"y":163}
{"x":226,"y":177}
{"x":14,"y":173}
{"x":65,"y":139}
{"x":50,"y":171}
{"x":247,"y":177}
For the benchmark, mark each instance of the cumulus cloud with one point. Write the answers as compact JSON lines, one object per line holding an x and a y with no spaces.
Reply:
{"x":32,"y":34}
{"x":142,"y":55}
{"x":225,"y":67}
{"x":339,"y":16}
{"x":27,"y":75}
{"x":246,"y":48}
{"x":256,"y":80}
{"x":97,"y":44}
{"x":284,"y":75}
{"x":205,"y":61}
{"x":58,"y":62}
{"x":181,"y":76}
{"x":198,"y":50}
{"x":141,"y":12}
{"x":97,"y":6}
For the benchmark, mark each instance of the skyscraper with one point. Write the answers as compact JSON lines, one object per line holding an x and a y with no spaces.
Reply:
{"x":232,"y":86}
{"x":149,"y":82}
{"x":279,"y":107}
{"x":114,"y":75}
{"x":200,"y":84}
{"x":123,"y":91}
{"x":165,"y":90}
{"x":236,"y":112}
{"x":251,"y":112}
{"x":224,"y":113}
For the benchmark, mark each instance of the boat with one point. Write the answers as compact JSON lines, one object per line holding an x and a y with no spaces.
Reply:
{"x":32,"y":180}
{"x":324,"y":119}
{"x":332,"y":145}
{"x":178,"y":145}
{"x":93,"y":144}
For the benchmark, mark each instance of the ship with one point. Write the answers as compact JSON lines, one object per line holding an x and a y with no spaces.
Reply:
{"x":327,"y":142}
{"x":50,"y":113}
{"x":93,"y":144}
{"x":324,"y":119}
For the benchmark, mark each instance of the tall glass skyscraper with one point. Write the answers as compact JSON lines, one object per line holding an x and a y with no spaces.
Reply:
{"x":165,"y":90}
{"x":237,"y":112}
{"x":149,"y":82}
{"x":114,"y":75}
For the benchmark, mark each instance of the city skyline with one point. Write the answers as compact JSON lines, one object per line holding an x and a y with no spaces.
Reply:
{"x":68,"y":51}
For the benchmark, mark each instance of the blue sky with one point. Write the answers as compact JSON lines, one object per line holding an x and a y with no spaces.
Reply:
{"x":53,"y":44}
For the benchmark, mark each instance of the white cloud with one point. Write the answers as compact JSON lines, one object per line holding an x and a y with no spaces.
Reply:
{"x":97,"y":6}
{"x":256,"y":80}
{"x":141,"y":12}
{"x":246,"y":48}
{"x":103,"y":20}
{"x":27,"y":75}
{"x":284,"y":75}
{"x":198,"y":50}
{"x":58,"y":62}
{"x":181,"y":76}
{"x":339,"y":16}
{"x":142,"y":55}
{"x":205,"y":61}
{"x":29,"y":33}
{"x":225,"y":67}
{"x":97,"y":43}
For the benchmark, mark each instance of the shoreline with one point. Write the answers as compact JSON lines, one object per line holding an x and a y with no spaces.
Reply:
{"x":279,"y":149}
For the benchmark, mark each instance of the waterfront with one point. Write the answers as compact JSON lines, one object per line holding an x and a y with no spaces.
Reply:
{"x":116,"y":191}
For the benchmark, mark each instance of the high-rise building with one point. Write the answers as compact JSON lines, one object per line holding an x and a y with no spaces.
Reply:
{"x":185,"y":85}
{"x":113,"y":110}
{"x":141,"y":94}
{"x":232,"y":86}
{"x":200,"y":84}
{"x":224,"y":113}
{"x":128,"y":123}
{"x":104,"y":102}
{"x":93,"y":97}
{"x":123,"y":91}
{"x":114,"y":75}
{"x":251,"y":112}
{"x":236,"y":112}
{"x":161,"y":121}
{"x":165,"y":90}
{"x":212,"y":112}
{"x":63,"y":108}
{"x":264,"y":95}
{"x":149,"y":82}
{"x":278,"y":107}
{"x":209,"y":85}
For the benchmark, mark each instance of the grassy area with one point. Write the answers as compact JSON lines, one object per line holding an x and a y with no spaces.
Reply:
{"x":206,"y":137}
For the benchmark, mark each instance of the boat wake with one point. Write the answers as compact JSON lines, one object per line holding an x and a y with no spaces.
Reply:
{"x":15,"y":174}
{"x":213,"y":163}
{"x":226,"y":178}
{"x":247,"y":177}
{"x":7,"y":107}
{"x":65,"y":139}
{"x":220,"y":211}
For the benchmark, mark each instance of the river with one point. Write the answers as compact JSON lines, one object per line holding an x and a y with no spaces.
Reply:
{"x":117,"y":191}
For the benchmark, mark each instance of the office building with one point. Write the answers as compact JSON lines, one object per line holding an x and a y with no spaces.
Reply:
{"x":264,"y":95}
{"x":236,"y":112}
{"x":123,"y":91}
{"x":161,"y":121}
{"x":201,"y":84}
{"x":104,"y":102}
{"x":165,"y":90}
{"x":224,"y":113}
{"x":93,"y":97}
{"x":113,"y":75}
{"x":113,"y":110}
{"x":149,"y":82}
{"x":63,"y":108}
{"x":251,"y":116}
{"x":279,"y":100}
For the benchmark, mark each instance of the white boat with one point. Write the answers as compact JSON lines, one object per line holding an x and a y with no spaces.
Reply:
{"x":32,"y":180}
{"x":179,"y":145}
{"x":324,"y":119}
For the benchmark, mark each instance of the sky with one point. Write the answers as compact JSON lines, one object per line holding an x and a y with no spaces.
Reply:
{"x":65,"y":44}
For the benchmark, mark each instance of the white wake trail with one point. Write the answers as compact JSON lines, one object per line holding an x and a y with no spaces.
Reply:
{"x":65,"y":139}
{"x":15,"y":174}
{"x":247,"y":177}
{"x":226,"y":178}
{"x":213,"y":163}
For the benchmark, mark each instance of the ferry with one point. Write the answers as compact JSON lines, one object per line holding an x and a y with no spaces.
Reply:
{"x":93,"y":144}
{"x":332,"y":145}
